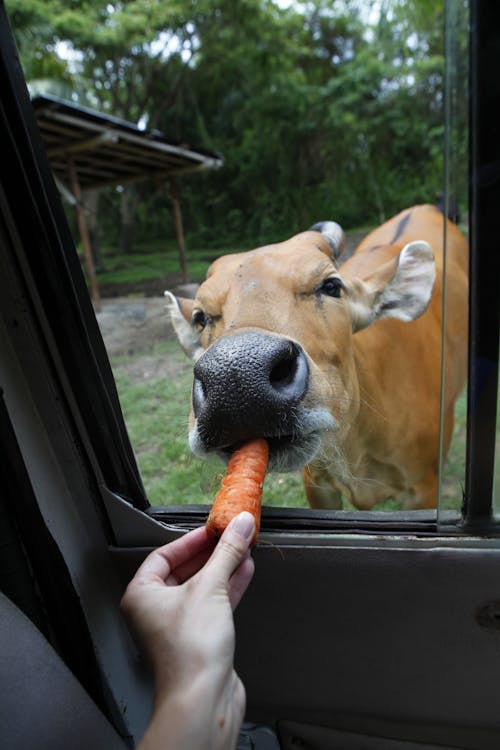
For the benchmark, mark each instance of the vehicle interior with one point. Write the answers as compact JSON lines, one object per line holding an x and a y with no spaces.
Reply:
{"x":361,"y":630}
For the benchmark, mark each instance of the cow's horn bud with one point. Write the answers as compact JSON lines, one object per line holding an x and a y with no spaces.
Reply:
{"x":334,"y":234}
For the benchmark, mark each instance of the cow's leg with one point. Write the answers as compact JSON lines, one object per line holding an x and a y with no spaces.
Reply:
{"x":426,"y":493}
{"x":320,"y":491}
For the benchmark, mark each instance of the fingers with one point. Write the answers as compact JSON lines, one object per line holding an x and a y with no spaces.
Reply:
{"x":231,"y":549}
{"x":239,"y":581}
{"x":186,"y":570}
{"x":185,"y":555}
{"x":178,"y":561}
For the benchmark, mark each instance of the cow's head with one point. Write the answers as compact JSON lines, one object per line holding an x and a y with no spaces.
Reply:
{"x":270,"y":332}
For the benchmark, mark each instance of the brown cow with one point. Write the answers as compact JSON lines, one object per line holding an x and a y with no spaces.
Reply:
{"x":336,"y":361}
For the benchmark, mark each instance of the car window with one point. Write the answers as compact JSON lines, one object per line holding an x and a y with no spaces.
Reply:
{"x":155,"y":384}
{"x":496,"y":486}
{"x":386,"y":147}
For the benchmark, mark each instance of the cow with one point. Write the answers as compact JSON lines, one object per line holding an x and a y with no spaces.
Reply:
{"x":335,"y":358}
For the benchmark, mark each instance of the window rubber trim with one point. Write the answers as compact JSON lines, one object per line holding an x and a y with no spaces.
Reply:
{"x":484,"y":200}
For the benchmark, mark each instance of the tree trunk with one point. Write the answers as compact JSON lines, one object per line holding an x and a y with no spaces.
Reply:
{"x":128,"y":207}
{"x":179,"y":230}
{"x":91,"y":208}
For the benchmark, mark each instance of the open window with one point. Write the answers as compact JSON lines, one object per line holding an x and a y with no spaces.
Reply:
{"x":287,"y":492}
{"x":286,"y":489}
{"x":360,"y":630}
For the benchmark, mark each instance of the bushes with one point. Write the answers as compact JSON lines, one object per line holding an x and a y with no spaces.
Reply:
{"x":321,"y":110}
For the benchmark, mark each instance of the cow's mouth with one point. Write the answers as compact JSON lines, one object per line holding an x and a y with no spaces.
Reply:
{"x":287,"y":452}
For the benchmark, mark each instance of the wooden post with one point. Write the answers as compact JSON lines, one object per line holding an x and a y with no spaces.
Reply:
{"x":84,"y":234}
{"x":176,"y":211}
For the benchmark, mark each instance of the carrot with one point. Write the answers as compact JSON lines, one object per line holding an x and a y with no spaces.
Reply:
{"x":241,"y":487}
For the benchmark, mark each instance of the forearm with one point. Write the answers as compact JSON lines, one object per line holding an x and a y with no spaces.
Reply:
{"x":192,"y":719}
{"x":173,"y":726}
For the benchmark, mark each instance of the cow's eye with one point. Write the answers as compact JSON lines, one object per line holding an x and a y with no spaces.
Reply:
{"x":199,"y":320}
{"x":332,"y":287}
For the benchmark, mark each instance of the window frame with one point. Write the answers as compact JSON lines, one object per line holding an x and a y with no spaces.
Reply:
{"x":30,"y":207}
{"x":55,"y":285}
{"x":484,"y":199}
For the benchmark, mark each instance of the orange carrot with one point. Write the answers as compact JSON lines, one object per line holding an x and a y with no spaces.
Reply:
{"x":241,"y":487}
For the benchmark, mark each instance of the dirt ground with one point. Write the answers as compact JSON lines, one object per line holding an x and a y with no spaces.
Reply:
{"x":133,"y":325}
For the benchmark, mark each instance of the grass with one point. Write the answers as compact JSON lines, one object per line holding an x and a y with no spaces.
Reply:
{"x":156,"y":415}
{"x":453,"y":475}
{"x":135,"y":269}
{"x":153,"y":265}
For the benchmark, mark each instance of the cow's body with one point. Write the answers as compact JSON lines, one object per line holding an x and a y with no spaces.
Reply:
{"x":318,"y":357}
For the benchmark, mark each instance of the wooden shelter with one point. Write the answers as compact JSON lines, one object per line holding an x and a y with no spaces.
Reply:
{"x":90,"y":150}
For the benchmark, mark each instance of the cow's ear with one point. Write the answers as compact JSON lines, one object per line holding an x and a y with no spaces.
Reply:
{"x":180,"y":310}
{"x":334,"y":235}
{"x":401,"y":288}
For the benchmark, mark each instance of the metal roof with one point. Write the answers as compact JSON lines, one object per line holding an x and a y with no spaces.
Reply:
{"x":110,"y":151}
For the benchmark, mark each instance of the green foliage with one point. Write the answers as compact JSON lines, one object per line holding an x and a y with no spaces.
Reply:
{"x":321,"y":110}
{"x":347,"y":125}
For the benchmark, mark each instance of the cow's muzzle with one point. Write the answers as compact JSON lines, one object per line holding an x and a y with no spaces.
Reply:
{"x":248,"y":384}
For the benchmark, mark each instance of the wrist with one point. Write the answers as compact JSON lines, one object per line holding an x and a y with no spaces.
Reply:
{"x":176,"y":723}
{"x":191,"y":718}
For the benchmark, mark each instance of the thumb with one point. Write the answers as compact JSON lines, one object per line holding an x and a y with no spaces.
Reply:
{"x":232,"y":547}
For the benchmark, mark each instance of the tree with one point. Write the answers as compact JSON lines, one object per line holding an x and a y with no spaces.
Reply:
{"x":116,"y":51}
{"x":322,"y":110}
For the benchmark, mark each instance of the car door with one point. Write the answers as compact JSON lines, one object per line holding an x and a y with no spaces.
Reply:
{"x":361,"y":630}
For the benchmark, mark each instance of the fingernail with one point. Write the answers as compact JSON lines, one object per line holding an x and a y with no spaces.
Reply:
{"x":244,"y":524}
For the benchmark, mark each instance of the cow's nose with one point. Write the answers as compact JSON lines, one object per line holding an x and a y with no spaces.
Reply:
{"x":246,"y":385}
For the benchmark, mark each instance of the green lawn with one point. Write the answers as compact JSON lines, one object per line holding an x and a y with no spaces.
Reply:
{"x":136,"y":268}
{"x":152,"y":264}
{"x":156,"y":414}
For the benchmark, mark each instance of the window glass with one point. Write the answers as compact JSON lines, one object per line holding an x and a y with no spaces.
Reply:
{"x":452,"y":473}
{"x":372,"y":118}
{"x":322,"y":112}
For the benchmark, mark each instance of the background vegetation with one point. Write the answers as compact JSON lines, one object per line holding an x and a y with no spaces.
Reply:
{"x":321,"y":109}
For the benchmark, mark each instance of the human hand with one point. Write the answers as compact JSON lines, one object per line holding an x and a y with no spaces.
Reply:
{"x":179,"y":605}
